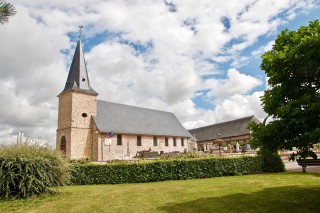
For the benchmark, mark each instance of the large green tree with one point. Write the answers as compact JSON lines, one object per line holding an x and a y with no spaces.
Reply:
{"x":6,"y":10}
{"x":293,"y":96}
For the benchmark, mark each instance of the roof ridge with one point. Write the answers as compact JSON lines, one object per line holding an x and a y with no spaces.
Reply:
{"x":136,"y":106}
{"x":230,"y":121}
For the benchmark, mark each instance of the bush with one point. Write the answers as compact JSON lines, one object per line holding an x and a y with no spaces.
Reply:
{"x":27,"y":170}
{"x":84,"y":160}
{"x":168,"y":156}
{"x":161,"y":170}
{"x":271,"y":161}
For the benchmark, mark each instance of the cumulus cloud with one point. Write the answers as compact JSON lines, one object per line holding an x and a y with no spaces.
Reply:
{"x":238,"y":106}
{"x":145,"y":53}
{"x":235,"y":83}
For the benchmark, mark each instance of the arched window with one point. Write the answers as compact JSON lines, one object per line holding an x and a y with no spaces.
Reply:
{"x":63,"y":145}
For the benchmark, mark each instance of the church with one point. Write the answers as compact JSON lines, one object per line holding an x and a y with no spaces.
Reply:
{"x":102,"y":130}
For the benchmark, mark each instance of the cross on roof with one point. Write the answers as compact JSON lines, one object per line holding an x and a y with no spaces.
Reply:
{"x":80,"y":31}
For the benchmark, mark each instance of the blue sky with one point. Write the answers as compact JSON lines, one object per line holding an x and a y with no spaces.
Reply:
{"x":197,"y":59}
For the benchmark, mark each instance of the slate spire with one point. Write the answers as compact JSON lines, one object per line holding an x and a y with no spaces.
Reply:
{"x":78,"y":76}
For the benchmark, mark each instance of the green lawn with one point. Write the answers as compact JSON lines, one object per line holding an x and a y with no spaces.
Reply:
{"x":283,"y":192}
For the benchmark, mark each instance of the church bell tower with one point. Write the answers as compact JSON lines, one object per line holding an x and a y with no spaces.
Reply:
{"x":77,"y":105}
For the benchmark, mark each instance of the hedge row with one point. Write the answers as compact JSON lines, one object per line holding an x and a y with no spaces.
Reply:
{"x":178,"y":169}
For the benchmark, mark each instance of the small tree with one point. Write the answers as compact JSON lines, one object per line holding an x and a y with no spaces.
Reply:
{"x":293,"y":99}
{"x":6,"y":10}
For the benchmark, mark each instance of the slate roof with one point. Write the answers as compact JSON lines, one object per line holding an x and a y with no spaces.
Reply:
{"x":226,"y":129}
{"x":120,"y":118}
{"x":78,"y":76}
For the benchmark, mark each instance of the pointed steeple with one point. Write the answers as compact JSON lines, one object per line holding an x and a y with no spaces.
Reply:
{"x":78,"y":76}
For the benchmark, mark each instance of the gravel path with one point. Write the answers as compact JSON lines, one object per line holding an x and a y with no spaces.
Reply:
{"x":292,"y":166}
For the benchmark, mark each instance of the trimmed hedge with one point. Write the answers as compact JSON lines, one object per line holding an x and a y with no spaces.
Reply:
{"x":271,"y":161}
{"x":27,"y":170}
{"x":161,"y":170}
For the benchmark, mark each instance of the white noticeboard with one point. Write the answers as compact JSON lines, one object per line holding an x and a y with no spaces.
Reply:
{"x":107,"y":141}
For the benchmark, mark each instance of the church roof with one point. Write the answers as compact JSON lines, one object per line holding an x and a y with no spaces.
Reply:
{"x":78,"y":76}
{"x":120,"y":118}
{"x":226,"y":129}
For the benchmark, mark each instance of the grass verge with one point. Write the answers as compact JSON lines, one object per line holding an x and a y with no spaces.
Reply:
{"x":281,"y":192}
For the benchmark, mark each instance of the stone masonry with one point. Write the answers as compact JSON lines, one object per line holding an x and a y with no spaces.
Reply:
{"x":74,"y":122}
{"x":107,"y":148}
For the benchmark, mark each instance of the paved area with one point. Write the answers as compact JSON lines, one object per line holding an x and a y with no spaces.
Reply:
{"x":292,"y":166}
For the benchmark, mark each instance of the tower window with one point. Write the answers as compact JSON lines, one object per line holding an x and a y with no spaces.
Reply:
{"x":83,"y":79}
{"x":84,"y":115}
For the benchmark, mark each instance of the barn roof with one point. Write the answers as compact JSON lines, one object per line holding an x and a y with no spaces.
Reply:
{"x":120,"y":118}
{"x":226,"y":129}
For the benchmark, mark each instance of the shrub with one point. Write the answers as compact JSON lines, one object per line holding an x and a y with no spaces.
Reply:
{"x":161,"y":170}
{"x":27,"y":170}
{"x":271,"y":161}
{"x":168,"y":156}
{"x":84,"y":160}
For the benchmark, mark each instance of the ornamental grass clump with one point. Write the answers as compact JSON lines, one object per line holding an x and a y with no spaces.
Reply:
{"x":31,"y":169}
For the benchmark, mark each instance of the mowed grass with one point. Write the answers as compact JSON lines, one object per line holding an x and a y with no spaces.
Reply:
{"x":282,"y":192}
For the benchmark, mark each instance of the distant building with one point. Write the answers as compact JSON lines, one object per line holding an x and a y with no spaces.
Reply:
{"x":103,"y":130}
{"x":229,"y":132}
{"x":21,"y":138}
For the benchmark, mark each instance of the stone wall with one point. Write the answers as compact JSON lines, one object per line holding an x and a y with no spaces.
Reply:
{"x":64,"y":110}
{"x":81,"y":143}
{"x":83,"y":107}
{"x":74,"y":122}
{"x":106,"y":148}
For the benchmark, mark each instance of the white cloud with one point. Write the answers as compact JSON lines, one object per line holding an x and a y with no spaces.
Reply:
{"x":118,"y":70}
{"x":31,"y":70}
{"x":236,"y":83}
{"x":238,"y":106}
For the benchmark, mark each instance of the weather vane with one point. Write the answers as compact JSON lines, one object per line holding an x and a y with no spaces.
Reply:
{"x":80,"y":31}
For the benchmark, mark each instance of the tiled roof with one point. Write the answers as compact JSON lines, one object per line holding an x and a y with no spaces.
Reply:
{"x":120,"y":118}
{"x":226,"y":129}
{"x":78,"y":76}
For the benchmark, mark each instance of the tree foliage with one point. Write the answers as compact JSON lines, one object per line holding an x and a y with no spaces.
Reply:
{"x":293,"y":97}
{"x":6,"y":10}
